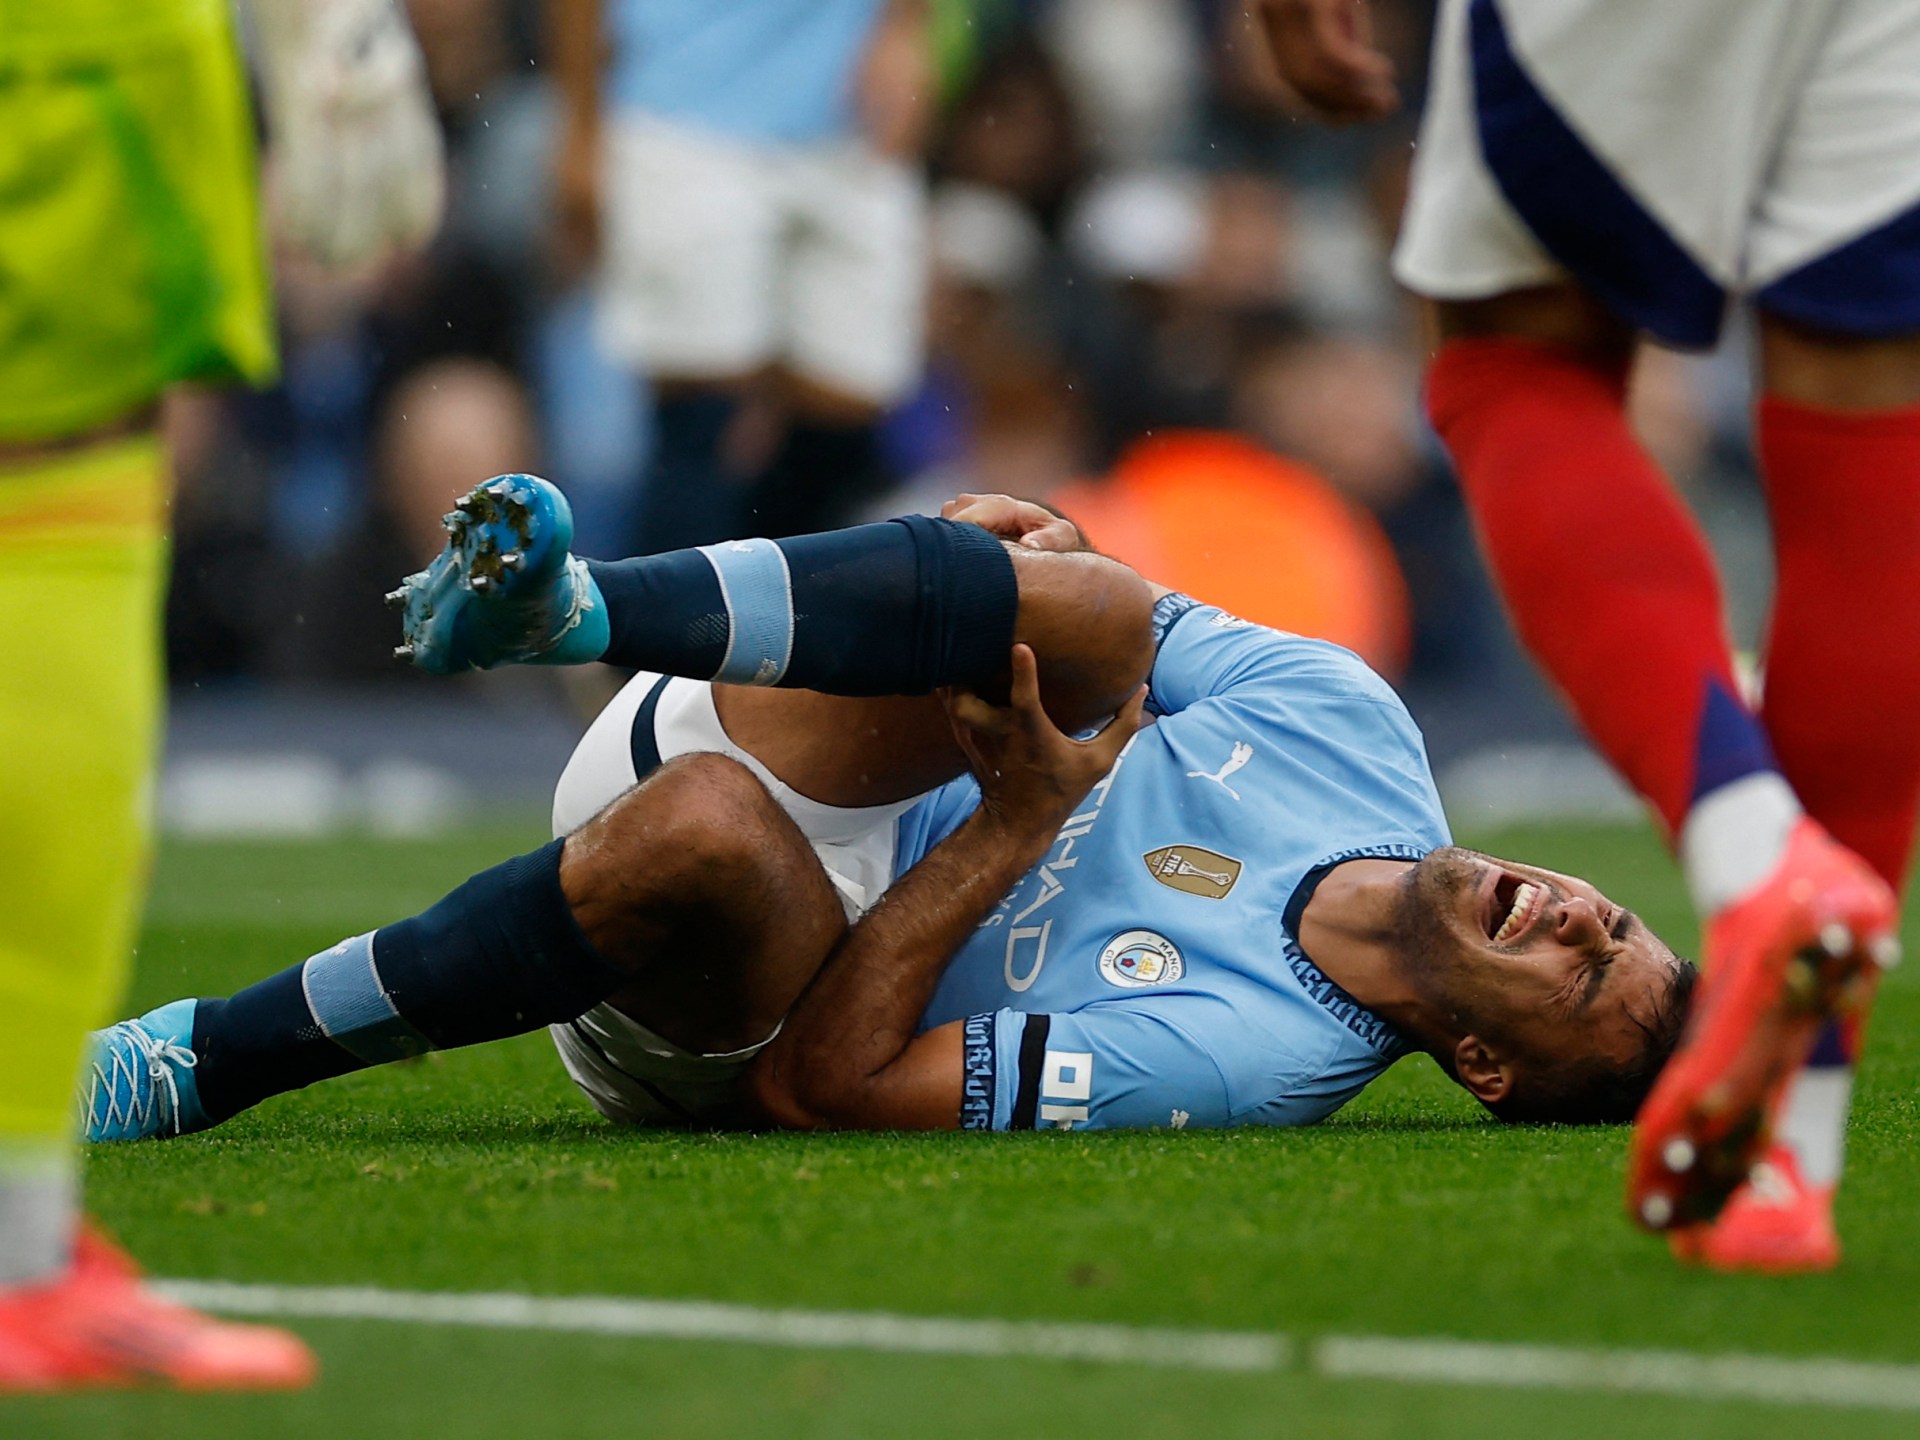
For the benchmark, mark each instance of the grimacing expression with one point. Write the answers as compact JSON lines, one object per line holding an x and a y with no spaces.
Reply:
{"x":1535,"y":961}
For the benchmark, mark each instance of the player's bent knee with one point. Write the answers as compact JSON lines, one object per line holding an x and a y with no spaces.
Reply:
{"x":1089,"y":620}
{"x":702,"y":818}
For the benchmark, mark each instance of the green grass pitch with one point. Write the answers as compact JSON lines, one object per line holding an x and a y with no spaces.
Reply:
{"x":1408,"y":1215}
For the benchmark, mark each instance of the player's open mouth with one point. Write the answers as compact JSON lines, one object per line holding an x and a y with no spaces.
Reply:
{"x":1511,"y":907}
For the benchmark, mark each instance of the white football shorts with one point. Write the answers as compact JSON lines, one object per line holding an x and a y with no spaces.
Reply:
{"x":1671,"y":153}
{"x":721,"y":256}
{"x":629,"y":1073}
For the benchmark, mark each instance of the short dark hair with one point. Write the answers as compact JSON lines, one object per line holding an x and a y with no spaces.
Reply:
{"x":1591,"y":1092}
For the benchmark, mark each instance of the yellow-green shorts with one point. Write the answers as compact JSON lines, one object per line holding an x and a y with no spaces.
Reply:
{"x":131,"y":253}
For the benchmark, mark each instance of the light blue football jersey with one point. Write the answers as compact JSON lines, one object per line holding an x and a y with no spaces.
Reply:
{"x":1146,"y":972}
{"x":780,"y":71}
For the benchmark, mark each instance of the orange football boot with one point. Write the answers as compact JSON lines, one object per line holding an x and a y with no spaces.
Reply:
{"x":96,"y":1325}
{"x":1778,"y":1223}
{"x":1800,"y":947}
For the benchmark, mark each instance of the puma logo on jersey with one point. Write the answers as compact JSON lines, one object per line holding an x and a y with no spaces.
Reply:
{"x":1193,"y":869}
{"x":1242,"y":753}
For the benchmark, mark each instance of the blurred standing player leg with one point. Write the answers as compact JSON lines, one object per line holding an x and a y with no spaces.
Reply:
{"x":133,"y":259}
{"x":745,"y":175}
{"x":1559,"y":211}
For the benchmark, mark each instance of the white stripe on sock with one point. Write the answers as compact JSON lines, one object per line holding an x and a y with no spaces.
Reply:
{"x":1734,"y":836}
{"x":1813,"y":1121}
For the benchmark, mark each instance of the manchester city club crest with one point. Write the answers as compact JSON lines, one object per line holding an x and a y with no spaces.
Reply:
{"x":1138,"y":959}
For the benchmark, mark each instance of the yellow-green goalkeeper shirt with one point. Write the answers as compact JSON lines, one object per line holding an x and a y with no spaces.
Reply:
{"x":130,"y":243}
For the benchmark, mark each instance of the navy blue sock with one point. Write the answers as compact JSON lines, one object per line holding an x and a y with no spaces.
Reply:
{"x":691,"y":496}
{"x":890,"y":609}
{"x":499,"y":956}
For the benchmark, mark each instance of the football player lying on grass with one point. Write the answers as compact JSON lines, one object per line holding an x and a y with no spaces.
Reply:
{"x":868,"y":863}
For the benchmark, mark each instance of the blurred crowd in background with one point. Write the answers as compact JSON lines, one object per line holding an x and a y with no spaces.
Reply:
{"x":1143,"y":288}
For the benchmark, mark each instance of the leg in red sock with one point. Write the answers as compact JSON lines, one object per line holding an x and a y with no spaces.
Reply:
{"x":1609,"y":582}
{"x":1843,"y":659}
{"x":1606,"y":574}
{"x":1843,"y":485}
{"x":1612,"y":587}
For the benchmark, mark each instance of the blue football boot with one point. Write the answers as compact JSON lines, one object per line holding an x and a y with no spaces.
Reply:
{"x":505,"y":591}
{"x":139,"y":1083}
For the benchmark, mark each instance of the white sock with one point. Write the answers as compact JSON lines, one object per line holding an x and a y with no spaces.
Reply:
{"x":1733,"y":837}
{"x":1813,"y":1121}
{"x":38,"y":1202}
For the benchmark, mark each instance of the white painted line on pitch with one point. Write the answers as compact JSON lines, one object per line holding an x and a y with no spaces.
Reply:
{"x":1763,"y":1379}
{"x":699,"y":1320}
{"x":1768,"y":1379}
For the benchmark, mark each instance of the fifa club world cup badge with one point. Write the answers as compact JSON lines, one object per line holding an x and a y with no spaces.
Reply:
{"x":1194,"y":870}
{"x":1138,"y":959}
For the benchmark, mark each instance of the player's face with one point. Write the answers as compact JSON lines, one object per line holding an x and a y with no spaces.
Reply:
{"x":1540,"y":960}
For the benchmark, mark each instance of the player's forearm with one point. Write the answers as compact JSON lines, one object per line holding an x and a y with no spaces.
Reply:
{"x":834,"y":1062}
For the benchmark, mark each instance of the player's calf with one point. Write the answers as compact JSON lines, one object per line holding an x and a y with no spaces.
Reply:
{"x":898,"y":608}
{"x":499,"y":956}
{"x":691,"y":897}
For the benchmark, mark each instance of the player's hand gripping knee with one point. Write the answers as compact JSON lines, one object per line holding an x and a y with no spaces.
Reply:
{"x":1031,"y":774}
{"x":1030,"y":526}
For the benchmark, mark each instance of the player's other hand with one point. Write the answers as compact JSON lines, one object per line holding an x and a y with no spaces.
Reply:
{"x":1031,"y":526}
{"x":1031,"y":774}
{"x":1324,"y":49}
{"x":358,"y":170}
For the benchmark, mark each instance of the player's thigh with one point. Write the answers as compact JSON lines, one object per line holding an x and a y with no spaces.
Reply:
{"x":655,"y":720}
{"x":700,"y":885}
{"x":1835,"y":237}
{"x":854,"y":285}
{"x":81,"y":576}
{"x":690,"y":252}
{"x":82,"y":564}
